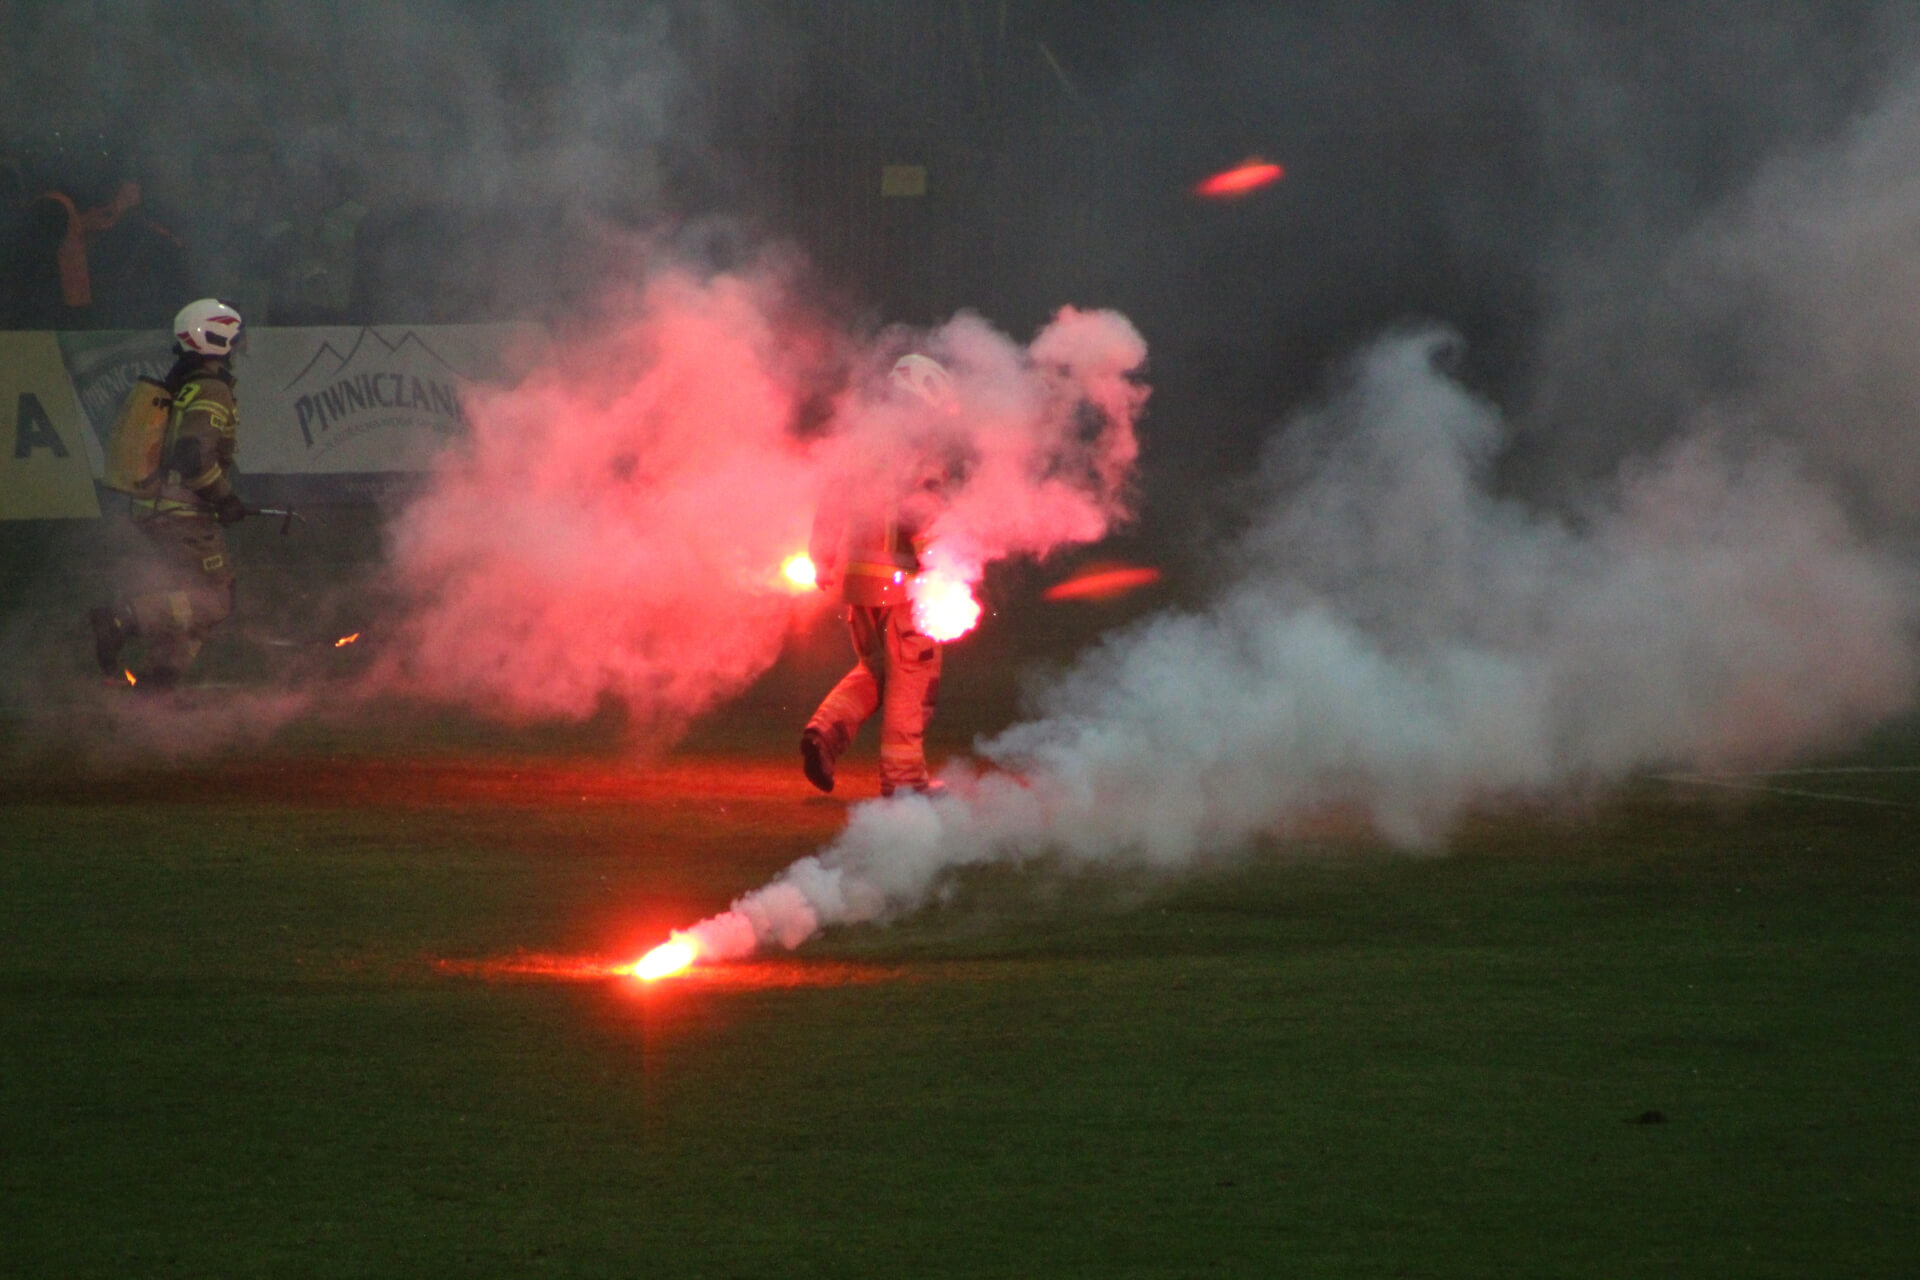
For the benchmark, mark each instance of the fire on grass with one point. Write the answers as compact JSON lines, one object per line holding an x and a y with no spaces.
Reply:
{"x":756,"y":975}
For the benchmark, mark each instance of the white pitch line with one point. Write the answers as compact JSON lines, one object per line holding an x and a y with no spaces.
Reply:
{"x":1839,"y":768}
{"x":1728,"y":784}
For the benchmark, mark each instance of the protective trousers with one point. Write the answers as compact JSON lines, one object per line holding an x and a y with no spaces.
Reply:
{"x":192,"y":590}
{"x":898,"y":673}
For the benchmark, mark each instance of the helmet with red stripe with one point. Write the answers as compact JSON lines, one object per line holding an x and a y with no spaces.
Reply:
{"x":208,"y":327}
{"x":927,"y":380}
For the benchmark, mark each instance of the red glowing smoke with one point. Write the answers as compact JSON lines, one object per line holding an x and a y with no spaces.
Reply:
{"x":621,"y":525}
{"x":1046,"y":437}
{"x":613,"y":526}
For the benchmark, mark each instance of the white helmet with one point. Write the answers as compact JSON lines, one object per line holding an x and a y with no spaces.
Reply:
{"x":208,"y":327}
{"x":923,"y":377}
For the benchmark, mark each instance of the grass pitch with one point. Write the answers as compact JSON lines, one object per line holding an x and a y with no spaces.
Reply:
{"x":316,"y":1015}
{"x":338,"y":1008}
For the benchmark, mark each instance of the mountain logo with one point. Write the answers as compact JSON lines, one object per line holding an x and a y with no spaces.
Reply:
{"x":405,"y":378}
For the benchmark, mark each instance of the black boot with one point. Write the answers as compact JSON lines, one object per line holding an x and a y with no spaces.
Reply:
{"x":112,"y":628}
{"x":816,"y":760}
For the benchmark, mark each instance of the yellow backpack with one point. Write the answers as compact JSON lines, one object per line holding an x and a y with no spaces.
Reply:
{"x":139,"y":432}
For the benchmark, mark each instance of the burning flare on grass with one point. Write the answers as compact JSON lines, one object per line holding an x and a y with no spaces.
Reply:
{"x":675,"y":955}
{"x":1238,"y":181}
{"x":1397,"y":644}
{"x":799,"y":572}
{"x":344,"y":641}
{"x":130,"y":679}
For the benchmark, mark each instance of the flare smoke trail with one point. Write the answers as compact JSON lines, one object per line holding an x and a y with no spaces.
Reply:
{"x":615,"y":526}
{"x":1397,"y":641}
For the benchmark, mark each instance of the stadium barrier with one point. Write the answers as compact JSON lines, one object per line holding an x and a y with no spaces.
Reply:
{"x":328,"y":414}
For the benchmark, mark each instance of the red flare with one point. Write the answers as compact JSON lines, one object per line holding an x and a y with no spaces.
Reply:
{"x":799,"y":572}
{"x":1238,"y":181}
{"x":943,"y":606}
{"x":761,"y":975}
{"x":344,"y":641}
{"x":1102,"y":582}
{"x":675,"y":955}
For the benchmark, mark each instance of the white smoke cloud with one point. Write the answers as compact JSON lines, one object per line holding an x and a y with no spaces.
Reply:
{"x":1396,"y":641}
{"x":1790,"y":311}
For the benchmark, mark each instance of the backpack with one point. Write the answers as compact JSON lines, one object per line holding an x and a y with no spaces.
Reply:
{"x":139,"y":432}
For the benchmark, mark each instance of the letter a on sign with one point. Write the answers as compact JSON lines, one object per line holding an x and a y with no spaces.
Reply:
{"x":48,"y":473}
{"x":33,"y":429}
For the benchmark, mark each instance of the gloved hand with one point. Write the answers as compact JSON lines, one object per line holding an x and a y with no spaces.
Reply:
{"x":230,"y":510}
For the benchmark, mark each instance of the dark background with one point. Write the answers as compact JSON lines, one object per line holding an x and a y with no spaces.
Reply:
{"x":1476,"y":163}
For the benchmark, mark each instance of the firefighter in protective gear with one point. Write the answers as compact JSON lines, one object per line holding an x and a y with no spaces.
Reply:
{"x":183,"y":508}
{"x":872,"y":556}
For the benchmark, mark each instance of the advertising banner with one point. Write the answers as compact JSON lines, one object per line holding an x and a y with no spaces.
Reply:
{"x":330,"y":414}
{"x":46,"y":465}
{"x":337,"y":401}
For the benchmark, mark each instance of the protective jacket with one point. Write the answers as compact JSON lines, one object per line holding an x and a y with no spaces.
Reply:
{"x":191,"y":588}
{"x":881,"y":557}
{"x":196,"y":459}
{"x":873,"y":555}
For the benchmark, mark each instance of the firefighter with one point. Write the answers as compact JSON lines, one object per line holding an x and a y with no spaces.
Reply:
{"x":184,"y":508}
{"x":871,"y":553}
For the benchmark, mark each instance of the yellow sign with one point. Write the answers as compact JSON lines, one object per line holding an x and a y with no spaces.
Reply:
{"x":44,"y":471}
{"x":903,"y":180}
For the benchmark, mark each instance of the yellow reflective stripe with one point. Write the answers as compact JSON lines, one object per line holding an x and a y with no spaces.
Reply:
{"x":167,"y":507}
{"x":218,"y":414}
{"x":182,"y":609}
